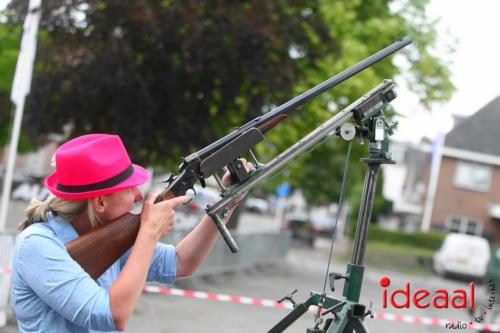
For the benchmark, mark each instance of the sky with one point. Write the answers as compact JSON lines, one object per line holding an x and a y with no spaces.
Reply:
{"x":475,"y":69}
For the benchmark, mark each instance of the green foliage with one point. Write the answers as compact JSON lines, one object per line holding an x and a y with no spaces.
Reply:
{"x":169,"y":77}
{"x":429,"y":240}
{"x":360,"y":28}
{"x":172,"y":76}
{"x":9,"y":49}
{"x":10,"y":38}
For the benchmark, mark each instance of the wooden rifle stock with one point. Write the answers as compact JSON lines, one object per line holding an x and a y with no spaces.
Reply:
{"x":98,"y":249}
{"x":271,"y":123}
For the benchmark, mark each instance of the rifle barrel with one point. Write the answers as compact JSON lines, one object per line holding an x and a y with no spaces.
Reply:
{"x":306,"y":96}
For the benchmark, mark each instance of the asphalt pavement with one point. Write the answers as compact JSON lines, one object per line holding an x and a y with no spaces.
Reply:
{"x":304,"y":269}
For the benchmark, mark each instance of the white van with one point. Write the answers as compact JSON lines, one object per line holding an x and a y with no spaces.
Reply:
{"x":462,"y":254}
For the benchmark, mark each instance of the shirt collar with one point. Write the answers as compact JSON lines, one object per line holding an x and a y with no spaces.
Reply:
{"x":62,"y":228}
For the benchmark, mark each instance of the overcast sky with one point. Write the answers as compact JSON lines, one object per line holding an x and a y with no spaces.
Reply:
{"x":476,"y":68}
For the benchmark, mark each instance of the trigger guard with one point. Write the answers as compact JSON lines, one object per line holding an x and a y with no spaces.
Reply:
{"x":169,"y":179}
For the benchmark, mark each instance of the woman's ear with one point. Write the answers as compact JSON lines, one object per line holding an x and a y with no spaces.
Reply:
{"x":99,"y":204}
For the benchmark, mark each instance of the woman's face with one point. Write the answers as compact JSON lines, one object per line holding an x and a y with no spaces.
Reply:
{"x":119,"y":203}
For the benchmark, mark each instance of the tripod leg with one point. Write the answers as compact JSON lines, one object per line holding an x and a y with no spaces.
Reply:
{"x":338,"y":325}
{"x":357,"y":325}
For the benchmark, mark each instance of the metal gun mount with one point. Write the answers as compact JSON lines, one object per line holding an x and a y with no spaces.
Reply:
{"x":347,"y":312}
{"x":225,"y":152}
{"x":365,"y":111}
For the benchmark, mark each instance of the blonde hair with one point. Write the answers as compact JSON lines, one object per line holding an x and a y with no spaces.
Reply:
{"x":37,"y":211}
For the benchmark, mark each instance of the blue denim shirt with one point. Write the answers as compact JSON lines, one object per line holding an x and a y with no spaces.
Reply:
{"x":50,"y":292}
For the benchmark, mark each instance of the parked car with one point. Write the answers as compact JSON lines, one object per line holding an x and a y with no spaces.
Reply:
{"x":309,"y":226}
{"x":323,"y":220}
{"x":301,"y":229}
{"x":257,"y":205}
{"x":464,"y":255}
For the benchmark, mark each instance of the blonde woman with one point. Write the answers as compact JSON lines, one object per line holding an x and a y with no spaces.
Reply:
{"x":95,"y":182}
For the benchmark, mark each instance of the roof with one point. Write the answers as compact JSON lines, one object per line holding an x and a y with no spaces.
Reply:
{"x":480,"y":133}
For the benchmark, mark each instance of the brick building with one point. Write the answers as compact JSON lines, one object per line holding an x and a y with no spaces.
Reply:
{"x":467,"y":196}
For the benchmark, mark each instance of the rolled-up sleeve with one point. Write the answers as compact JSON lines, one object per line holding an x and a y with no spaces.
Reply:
{"x":163,"y":264}
{"x":62,"y":284}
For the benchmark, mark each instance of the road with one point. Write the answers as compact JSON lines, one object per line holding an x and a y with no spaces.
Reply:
{"x":303,"y":269}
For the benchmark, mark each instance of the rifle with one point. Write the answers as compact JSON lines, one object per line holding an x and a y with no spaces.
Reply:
{"x":97,"y":250}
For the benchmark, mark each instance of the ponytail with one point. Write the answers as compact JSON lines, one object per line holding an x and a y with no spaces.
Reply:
{"x":38,"y":211}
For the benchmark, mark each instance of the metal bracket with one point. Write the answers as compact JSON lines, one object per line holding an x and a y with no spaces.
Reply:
{"x":238,"y":170}
{"x":289,"y":298}
{"x":336,"y":276}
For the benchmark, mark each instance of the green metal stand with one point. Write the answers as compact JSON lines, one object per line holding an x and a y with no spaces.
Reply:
{"x":348,"y":314}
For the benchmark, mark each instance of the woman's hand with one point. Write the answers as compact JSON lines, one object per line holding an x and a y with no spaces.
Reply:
{"x":227,"y":179}
{"x":158,"y":219}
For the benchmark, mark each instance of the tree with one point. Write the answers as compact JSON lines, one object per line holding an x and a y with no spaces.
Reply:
{"x":360,"y":28}
{"x":9,"y":49}
{"x":168,"y":76}
{"x":171,"y":76}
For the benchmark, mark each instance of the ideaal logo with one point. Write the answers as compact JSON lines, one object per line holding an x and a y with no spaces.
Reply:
{"x":423,"y":298}
{"x":439,"y":299}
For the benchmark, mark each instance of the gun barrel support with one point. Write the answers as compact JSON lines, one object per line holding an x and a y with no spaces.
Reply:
{"x":219,"y":223}
{"x":365,"y":213}
{"x":364,"y":105}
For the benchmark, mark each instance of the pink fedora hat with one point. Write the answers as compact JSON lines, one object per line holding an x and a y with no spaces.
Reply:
{"x":92,"y":165}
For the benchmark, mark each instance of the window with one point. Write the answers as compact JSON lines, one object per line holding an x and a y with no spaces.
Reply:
{"x":454,"y":224}
{"x":464,"y":225}
{"x":473,"y":176}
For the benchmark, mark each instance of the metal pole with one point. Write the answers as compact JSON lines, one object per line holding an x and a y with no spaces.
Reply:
{"x":7,"y":181}
{"x":365,"y":213}
{"x":20,"y":88}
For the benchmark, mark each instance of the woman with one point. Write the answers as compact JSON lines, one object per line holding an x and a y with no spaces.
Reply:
{"x":95,"y":182}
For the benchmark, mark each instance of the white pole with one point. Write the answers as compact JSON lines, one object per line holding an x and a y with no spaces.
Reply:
{"x":7,"y":184}
{"x":279,"y":215}
{"x":436,"y":155}
{"x":20,"y":88}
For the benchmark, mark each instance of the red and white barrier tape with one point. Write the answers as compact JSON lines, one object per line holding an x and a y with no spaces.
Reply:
{"x":273,"y":304}
{"x":217,"y":297}
{"x":429,"y":321}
